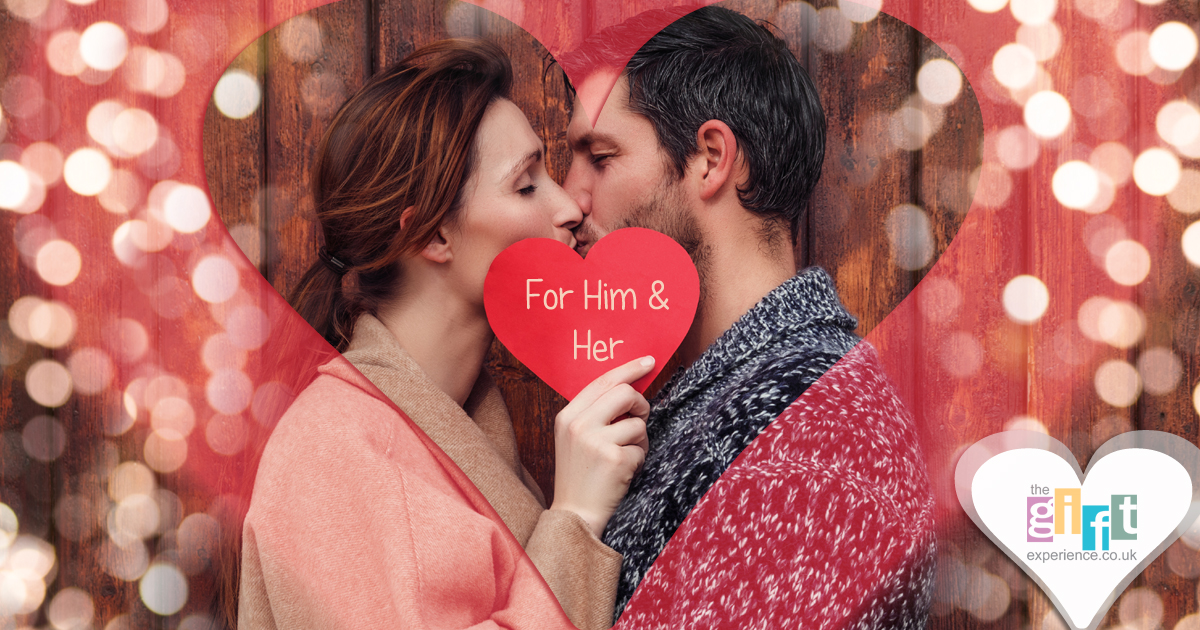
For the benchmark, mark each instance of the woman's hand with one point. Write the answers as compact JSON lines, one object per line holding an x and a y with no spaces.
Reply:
{"x":596,"y":455}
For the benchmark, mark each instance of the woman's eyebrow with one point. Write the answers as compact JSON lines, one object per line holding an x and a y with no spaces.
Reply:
{"x":519,"y":165}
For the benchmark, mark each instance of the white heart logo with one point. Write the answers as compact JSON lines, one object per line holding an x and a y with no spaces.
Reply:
{"x":1082,"y":537}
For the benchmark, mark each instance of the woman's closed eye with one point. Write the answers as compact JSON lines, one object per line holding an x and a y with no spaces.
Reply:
{"x":528,"y":190}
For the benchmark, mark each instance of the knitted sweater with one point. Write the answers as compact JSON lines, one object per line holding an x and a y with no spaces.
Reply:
{"x":824,"y":521}
{"x":708,"y":413}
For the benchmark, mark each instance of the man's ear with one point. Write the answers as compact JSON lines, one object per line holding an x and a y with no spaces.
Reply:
{"x":717,"y":157}
{"x":438,"y":249}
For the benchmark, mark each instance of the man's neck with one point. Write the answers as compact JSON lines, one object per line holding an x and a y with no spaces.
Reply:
{"x":739,"y":271}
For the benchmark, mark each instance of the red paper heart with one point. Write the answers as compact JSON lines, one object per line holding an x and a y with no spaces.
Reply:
{"x":571,"y":319}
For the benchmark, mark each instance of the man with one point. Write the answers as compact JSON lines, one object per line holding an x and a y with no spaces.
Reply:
{"x":713,"y":134}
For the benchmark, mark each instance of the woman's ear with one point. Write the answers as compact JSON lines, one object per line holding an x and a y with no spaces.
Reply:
{"x":438,"y":249}
{"x":717,"y":157}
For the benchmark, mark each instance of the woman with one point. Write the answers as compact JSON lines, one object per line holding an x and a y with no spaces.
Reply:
{"x":423,"y":177}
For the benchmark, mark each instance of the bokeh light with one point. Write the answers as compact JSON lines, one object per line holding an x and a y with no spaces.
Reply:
{"x":860,"y":10}
{"x":1033,"y":11}
{"x":1185,"y":197}
{"x":939,"y":81}
{"x":1133,"y":53}
{"x":1047,"y":114}
{"x":1140,"y":609}
{"x":1117,"y":383}
{"x":48,"y":383}
{"x":215,"y":279}
{"x":1156,"y":171}
{"x":1014,"y":66}
{"x":173,"y":415}
{"x":300,"y":39}
{"x":992,"y":185}
{"x":237,"y":94}
{"x":1127,"y":263}
{"x":71,"y":609}
{"x":44,"y":439}
{"x":1172,"y":46}
{"x":229,"y":391}
{"x":834,"y":31}
{"x":1042,"y":39}
{"x":134,"y":131}
{"x":146,"y":16}
{"x":62,"y":54}
{"x":1160,"y":370}
{"x":1121,"y":324}
{"x":14,"y":185}
{"x":1017,"y":148}
{"x":59,"y":263}
{"x":1025,"y":299}
{"x":164,"y":589}
{"x":961,"y":354}
{"x":987,"y":6}
{"x":911,"y":237}
{"x":103,"y":46}
{"x":1113,"y":159}
{"x":87,"y":171}
{"x":44,"y":159}
{"x":1191,"y":243}
{"x":186,"y":208}
{"x":1178,"y":123}
{"x":1075,"y":185}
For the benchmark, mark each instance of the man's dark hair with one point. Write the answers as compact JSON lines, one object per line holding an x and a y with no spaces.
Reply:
{"x":714,"y":63}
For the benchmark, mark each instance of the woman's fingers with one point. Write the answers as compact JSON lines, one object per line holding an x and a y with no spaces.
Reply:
{"x":620,"y":375}
{"x":629,"y":431}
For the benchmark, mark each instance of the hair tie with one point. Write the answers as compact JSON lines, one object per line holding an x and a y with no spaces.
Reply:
{"x":337,"y":266}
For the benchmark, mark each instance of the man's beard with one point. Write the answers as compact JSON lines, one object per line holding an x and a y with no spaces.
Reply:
{"x":665,"y":212}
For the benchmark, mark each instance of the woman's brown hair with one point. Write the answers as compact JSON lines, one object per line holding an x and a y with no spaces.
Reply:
{"x":406,"y":139}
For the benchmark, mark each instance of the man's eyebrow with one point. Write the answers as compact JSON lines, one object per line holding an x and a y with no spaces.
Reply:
{"x":590,"y":138}
{"x":532,"y":156}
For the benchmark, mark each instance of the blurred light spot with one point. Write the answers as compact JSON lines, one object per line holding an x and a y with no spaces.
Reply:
{"x":146,"y":16}
{"x":125,"y":562}
{"x":987,"y":6}
{"x":1173,"y":46}
{"x":134,"y":131}
{"x":300,"y":39}
{"x":834,"y":31}
{"x":71,"y":609}
{"x":162,"y":160}
{"x":1185,"y":197}
{"x":1033,"y":11}
{"x":75,"y":517}
{"x":100,"y":121}
{"x":1133,"y":53}
{"x":28,"y":10}
{"x":1114,"y":160}
{"x":164,"y":589}
{"x":123,"y":193}
{"x":910,"y":128}
{"x":219,"y":352}
{"x":1189,"y":622}
{"x":1178,"y":122}
{"x":144,"y":69}
{"x":229,"y":391}
{"x":123,"y":242}
{"x":1042,"y":39}
{"x":62,"y":54}
{"x":197,"y":540}
{"x":186,"y":208}
{"x":174,"y":415}
{"x":87,"y":172}
{"x":44,"y":159}
{"x":992,"y":185}
{"x":1156,"y":171}
{"x":91,"y":370}
{"x":248,"y":327}
{"x":939,"y":81}
{"x":1025,"y":299}
{"x":103,"y":46}
{"x":13,"y":593}
{"x":961,"y":354}
{"x":1075,"y":185}
{"x":173,"y":79}
{"x":130,"y":478}
{"x":226,"y":435}
{"x":1117,"y":383}
{"x":1141,"y":609}
{"x":1017,"y":148}
{"x":136,"y":516}
{"x":48,"y":383}
{"x":1160,"y":370}
{"x":237,"y":94}
{"x":165,"y":386}
{"x":12,"y":348}
{"x":1014,"y":66}
{"x":910,"y":237}
{"x":19,"y":316}
{"x":860,"y":10}
{"x":58,"y":263}
{"x":127,"y":338}
{"x":165,"y":451}
{"x":1047,"y":114}
{"x":14,"y":185}
{"x":215,"y":279}
{"x":938,"y":299}
{"x":1106,"y":193}
{"x":22,"y":96}
{"x":1071,"y":345}
{"x":1196,"y":406}
{"x":1121,"y":324}
{"x":1191,"y":243}
{"x":44,"y":439}
{"x":1127,"y":263}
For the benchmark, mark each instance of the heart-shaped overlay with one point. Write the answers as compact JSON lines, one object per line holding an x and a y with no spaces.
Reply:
{"x":537,"y":290}
{"x":1175,"y":447}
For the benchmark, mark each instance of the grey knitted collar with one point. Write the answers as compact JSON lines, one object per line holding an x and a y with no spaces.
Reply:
{"x":806,"y":299}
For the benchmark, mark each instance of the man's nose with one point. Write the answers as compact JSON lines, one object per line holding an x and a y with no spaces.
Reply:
{"x":578,"y":186}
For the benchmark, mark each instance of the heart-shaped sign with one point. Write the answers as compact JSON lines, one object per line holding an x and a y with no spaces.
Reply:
{"x":571,"y":319}
{"x":1082,"y":537}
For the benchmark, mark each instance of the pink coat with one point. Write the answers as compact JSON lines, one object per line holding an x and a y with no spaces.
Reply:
{"x":359,"y":521}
